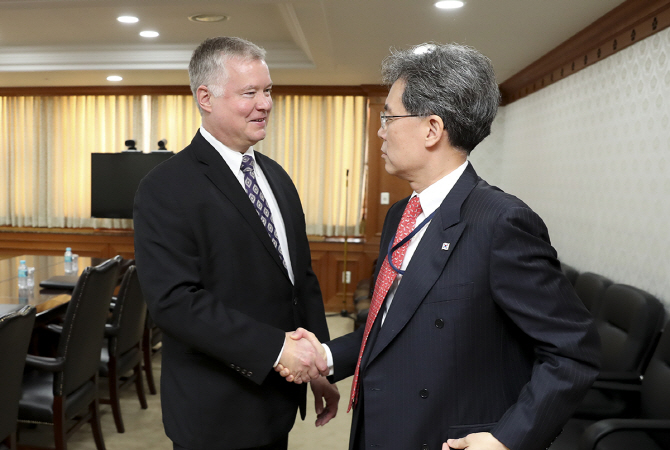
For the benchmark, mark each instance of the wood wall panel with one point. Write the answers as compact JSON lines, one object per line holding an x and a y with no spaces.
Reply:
{"x":328,"y":264}
{"x":85,"y":242}
{"x":327,"y":257}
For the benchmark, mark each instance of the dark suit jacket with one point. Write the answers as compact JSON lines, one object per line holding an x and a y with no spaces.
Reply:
{"x":215,"y":285}
{"x":487,"y":335}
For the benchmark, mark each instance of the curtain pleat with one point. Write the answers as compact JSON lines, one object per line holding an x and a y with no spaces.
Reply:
{"x":46,"y":144}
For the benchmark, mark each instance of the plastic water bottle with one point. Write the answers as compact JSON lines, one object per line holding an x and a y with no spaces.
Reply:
{"x":68,"y":260}
{"x":23,"y":275}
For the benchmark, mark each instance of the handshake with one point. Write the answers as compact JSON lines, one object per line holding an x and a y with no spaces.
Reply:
{"x":303,"y":358}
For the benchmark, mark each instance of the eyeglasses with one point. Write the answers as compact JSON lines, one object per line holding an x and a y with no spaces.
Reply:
{"x":386,"y":119}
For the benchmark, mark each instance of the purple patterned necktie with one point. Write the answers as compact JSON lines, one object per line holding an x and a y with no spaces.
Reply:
{"x":258,"y":200}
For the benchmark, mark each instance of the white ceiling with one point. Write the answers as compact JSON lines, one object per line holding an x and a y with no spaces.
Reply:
{"x":309,"y":42}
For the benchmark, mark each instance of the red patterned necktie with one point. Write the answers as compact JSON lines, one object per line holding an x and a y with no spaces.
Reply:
{"x":385,"y":280}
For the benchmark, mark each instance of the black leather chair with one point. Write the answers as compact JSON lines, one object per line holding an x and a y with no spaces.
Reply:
{"x":629,"y":321}
{"x":644,"y":426}
{"x":15,"y":331}
{"x":590,"y":288}
{"x":570,"y":272}
{"x":123,"y":350}
{"x":629,"y":324}
{"x":151,"y":345}
{"x":64,"y":388}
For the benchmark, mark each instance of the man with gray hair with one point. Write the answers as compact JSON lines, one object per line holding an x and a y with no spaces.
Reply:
{"x":225,"y":268}
{"x":474,"y":338}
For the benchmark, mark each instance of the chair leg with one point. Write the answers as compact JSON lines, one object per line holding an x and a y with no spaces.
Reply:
{"x":114,"y":394}
{"x":95,"y":424}
{"x":148,"y":370}
{"x":60,"y":433}
{"x":139,"y":385}
{"x":10,"y":441}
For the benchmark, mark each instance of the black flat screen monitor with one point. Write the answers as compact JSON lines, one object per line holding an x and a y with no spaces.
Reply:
{"x":115,"y":178}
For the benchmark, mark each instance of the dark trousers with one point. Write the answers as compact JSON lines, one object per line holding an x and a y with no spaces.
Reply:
{"x":281,"y":444}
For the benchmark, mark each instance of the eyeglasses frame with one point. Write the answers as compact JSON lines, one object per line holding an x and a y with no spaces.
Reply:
{"x":385,"y":119}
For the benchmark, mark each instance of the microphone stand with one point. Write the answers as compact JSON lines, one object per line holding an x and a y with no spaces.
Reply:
{"x":345,"y":282}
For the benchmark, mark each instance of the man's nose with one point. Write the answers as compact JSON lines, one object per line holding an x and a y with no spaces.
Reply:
{"x":265,"y":103}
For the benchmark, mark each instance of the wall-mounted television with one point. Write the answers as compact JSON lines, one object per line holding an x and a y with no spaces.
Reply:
{"x":115,"y":178}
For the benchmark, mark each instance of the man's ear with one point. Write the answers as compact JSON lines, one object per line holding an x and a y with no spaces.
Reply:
{"x":436,"y":131}
{"x":204,"y":96}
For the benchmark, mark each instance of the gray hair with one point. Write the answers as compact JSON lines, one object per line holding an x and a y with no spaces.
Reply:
{"x":452,"y":81}
{"x":208,"y":62}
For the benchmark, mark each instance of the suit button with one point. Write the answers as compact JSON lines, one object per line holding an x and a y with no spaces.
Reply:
{"x":295,"y":301}
{"x":439,"y":323}
{"x":249,"y":374}
{"x":424,"y":447}
{"x":423,"y":393}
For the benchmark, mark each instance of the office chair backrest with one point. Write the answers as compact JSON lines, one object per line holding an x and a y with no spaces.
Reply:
{"x":655,"y":395}
{"x":84,"y":326}
{"x":629,"y":321}
{"x":129,"y":314}
{"x":15,"y":331}
{"x":590,"y":288}
{"x":570,"y":272}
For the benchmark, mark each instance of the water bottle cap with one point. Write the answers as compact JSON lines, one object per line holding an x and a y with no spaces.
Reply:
{"x":68,"y":249}
{"x":23,"y":261}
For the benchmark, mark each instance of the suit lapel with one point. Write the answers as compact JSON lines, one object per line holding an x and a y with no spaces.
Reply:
{"x":218,"y":172}
{"x":428,"y":261}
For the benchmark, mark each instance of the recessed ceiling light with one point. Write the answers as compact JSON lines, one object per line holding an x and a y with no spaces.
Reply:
{"x":149,"y":34}
{"x":208,"y":18}
{"x":127,"y":19}
{"x":449,"y":4}
{"x":114,"y":78}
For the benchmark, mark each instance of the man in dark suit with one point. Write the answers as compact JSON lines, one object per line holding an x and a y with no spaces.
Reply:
{"x":225,"y":267}
{"x":479,"y":341}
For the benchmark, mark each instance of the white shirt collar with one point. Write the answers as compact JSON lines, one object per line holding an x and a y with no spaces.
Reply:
{"x":231,"y":157}
{"x":433,"y":196}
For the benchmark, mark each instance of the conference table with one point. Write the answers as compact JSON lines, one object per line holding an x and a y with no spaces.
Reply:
{"x":47,"y":302}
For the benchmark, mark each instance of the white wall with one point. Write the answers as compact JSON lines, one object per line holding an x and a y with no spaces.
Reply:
{"x":591,"y":155}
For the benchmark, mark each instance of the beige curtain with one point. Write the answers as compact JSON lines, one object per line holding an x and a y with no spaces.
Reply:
{"x":175,"y":118}
{"x":46,"y":143}
{"x":318,"y":140}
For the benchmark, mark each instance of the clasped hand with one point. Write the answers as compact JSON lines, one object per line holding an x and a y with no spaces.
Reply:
{"x":303,"y":358}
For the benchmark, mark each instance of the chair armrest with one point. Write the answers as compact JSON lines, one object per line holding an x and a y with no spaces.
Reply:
{"x":623,"y":377}
{"x":617,"y":386}
{"x":44,"y":363}
{"x":55,"y":328}
{"x":602,"y":428}
{"x":111,"y":330}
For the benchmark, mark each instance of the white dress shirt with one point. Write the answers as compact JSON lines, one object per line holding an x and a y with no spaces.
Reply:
{"x":234,"y":161}
{"x":430,"y":199}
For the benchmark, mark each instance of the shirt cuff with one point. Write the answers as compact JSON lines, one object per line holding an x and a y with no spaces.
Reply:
{"x":329,"y":360}
{"x":280,"y":353}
